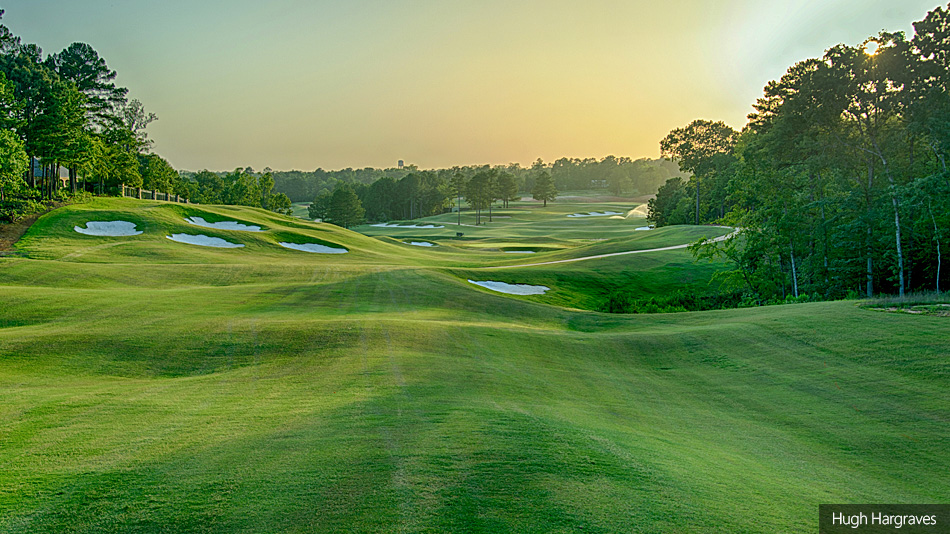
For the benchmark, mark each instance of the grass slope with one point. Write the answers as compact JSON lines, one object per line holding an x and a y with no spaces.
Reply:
{"x":152,"y":386}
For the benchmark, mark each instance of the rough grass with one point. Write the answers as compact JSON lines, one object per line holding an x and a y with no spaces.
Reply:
{"x":154,"y":387}
{"x":911,"y":299}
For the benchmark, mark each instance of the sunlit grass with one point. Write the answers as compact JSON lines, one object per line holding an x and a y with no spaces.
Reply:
{"x":151,"y":386}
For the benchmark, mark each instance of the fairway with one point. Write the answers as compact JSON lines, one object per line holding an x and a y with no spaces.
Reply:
{"x":148,"y":385}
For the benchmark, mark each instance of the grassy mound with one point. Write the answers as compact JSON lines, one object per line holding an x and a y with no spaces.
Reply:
{"x":149,"y":386}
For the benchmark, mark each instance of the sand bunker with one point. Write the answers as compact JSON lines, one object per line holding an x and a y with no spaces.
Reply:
{"x":203,"y":240}
{"x":519,"y":252}
{"x":314,"y":247}
{"x":595,"y":214}
{"x":222,"y":225}
{"x":388,"y":225}
{"x":421,"y":244}
{"x":642,"y":228}
{"x":512,"y":289}
{"x":108,"y":228}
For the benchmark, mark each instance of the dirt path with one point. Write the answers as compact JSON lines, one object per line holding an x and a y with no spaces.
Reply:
{"x":674,"y":247}
{"x":11,"y":233}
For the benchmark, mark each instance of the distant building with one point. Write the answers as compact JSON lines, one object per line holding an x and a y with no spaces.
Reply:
{"x":38,"y":171}
{"x":401,"y":164}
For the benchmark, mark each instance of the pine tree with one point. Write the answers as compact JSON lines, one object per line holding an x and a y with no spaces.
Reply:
{"x":544,"y":189}
{"x":346,"y":210}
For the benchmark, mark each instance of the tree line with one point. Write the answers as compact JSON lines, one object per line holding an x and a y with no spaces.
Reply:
{"x":838,"y":181}
{"x":621,"y":176}
{"x":63,"y":111}
{"x":425,"y":193}
{"x":408,"y":193}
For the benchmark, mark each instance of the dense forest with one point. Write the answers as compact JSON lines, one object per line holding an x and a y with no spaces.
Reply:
{"x":838,"y":182}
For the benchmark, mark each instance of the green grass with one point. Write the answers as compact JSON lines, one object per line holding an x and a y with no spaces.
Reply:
{"x":300,"y":210}
{"x":152,"y":386}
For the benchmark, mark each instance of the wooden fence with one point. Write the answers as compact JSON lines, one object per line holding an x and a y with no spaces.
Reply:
{"x":145,"y":194}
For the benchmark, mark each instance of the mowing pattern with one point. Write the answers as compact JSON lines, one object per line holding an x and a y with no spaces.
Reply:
{"x":152,"y":386}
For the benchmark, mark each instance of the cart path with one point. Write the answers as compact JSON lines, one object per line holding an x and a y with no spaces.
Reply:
{"x":674,"y":247}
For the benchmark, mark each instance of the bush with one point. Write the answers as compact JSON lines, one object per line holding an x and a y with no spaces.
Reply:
{"x":12,"y":210}
{"x":624,"y":302}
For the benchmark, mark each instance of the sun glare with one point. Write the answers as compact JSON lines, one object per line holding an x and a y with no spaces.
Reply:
{"x":871,"y":47}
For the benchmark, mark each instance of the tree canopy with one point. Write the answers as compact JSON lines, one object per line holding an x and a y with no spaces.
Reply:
{"x":838,"y":181}
{"x":544,"y":189}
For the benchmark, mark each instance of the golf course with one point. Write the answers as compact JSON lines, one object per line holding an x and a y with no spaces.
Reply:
{"x":152,"y":384}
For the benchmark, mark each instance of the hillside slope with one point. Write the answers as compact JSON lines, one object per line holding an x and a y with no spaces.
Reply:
{"x":154,"y":386}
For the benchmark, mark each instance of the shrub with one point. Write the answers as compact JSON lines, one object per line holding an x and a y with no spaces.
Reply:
{"x":12,"y":210}
{"x":625,"y":302}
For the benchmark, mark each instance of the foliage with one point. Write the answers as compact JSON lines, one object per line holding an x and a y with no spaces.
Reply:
{"x":319,"y":209}
{"x":345,"y":208}
{"x":280,"y":203}
{"x":13,"y":163}
{"x":839,"y":180}
{"x":669,"y":205}
{"x":639,"y":177}
{"x":507,"y":188}
{"x":69,"y":113}
{"x":544,"y":188}
{"x":480,"y":192}
{"x":680,"y":301}
{"x":81,"y":64}
{"x":705,"y":149}
{"x":157,"y":174}
{"x":14,"y":209}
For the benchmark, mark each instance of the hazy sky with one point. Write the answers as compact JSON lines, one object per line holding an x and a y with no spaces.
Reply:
{"x":305,"y":83}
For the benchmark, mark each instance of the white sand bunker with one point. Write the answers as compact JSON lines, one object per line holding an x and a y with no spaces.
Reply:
{"x":421,"y":244}
{"x":512,"y":289}
{"x":108,"y":228}
{"x":316,"y":248}
{"x":643,"y":228}
{"x":222,"y":225}
{"x":519,"y":252}
{"x":595,"y":214}
{"x":203,"y":240}
{"x":388,"y":225}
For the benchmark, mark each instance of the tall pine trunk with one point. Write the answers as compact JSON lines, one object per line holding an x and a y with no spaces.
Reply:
{"x":870,"y":246}
{"x":937,"y":239}
{"x":895,"y":203}
{"x":791,"y":252}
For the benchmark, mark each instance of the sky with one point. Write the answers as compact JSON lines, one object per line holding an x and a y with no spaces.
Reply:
{"x":306,"y":84}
